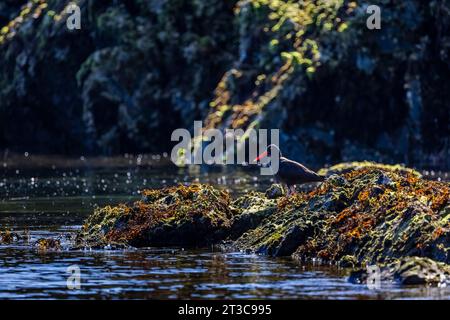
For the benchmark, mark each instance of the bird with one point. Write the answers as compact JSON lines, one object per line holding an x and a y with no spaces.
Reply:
{"x":290,"y":172}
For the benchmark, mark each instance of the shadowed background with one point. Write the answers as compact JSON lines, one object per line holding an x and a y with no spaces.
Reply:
{"x":139,"y":69}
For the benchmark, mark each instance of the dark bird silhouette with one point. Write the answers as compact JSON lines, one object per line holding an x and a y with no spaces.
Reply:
{"x":290,"y":172}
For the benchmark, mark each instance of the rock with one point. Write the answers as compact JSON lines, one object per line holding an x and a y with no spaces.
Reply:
{"x":252,"y":209}
{"x":282,"y":232}
{"x":275,"y":191}
{"x":195,"y":215}
{"x":114,"y":86}
{"x":345,"y":167}
{"x":8,"y":237}
{"x":290,"y":65}
{"x":48,"y":244}
{"x":365,"y":216}
{"x":382,"y":215}
{"x":348,"y":261}
{"x":405,"y":271}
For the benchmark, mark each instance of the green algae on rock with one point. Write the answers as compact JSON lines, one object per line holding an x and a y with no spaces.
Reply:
{"x":386,"y":215}
{"x":251,"y":209}
{"x":350,"y":166}
{"x":364,"y":216}
{"x":282,"y":232}
{"x":194,"y":215}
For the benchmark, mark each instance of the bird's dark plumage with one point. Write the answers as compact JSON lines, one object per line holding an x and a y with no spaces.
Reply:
{"x":291,"y":172}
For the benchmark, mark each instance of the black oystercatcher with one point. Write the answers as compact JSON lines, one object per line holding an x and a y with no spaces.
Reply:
{"x":290,"y":172}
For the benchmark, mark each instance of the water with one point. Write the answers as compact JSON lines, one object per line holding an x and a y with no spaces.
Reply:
{"x":50,"y":197}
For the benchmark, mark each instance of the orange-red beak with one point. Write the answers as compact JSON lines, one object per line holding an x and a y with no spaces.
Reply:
{"x":261,"y":156}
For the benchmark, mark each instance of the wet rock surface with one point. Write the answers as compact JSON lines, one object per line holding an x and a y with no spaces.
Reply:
{"x":405,"y":271}
{"x":365,"y":216}
{"x":196,"y":215}
{"x":345,"y":167}
{"x":139,"y":69}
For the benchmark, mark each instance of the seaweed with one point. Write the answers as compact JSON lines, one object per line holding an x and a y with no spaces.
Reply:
{"x":369,"y":215}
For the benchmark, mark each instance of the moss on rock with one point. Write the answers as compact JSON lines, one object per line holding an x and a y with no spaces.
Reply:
{"x":350,"y":166}
{"x":251,"y":209}
{"x":195,"y":215}
{"x":365,"y":216}
{"x":192,"y":215}
{"x":386,"y":215}
{"x":368,"y":215}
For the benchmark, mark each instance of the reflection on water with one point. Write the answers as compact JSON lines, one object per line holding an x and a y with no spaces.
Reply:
{"x":50,"y":197}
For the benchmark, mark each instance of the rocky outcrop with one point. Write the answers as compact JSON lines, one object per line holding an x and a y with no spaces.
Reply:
{"x":345,"y":167}
{"x":405,"y":271}
{"x":339,"y":90}
{"x":362,"y":217}
{"x":379,"y":215}
{"x":195,"y":215}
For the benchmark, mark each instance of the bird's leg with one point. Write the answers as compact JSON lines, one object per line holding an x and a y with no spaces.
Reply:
{"x":290,"y":191}
{"x":292,"y":188}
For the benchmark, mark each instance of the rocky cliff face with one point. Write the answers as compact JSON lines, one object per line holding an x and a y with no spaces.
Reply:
{"x":136,"y":70}
{"x":133,"y":73}
{"x":338,"y":90}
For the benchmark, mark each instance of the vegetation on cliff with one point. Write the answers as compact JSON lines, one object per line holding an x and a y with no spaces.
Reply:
{"x":339,"y":90}
{"x":136,"y":70}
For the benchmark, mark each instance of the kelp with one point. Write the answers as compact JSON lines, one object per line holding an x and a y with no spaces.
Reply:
{"x":8,"y":237}
{"x":191,"y":215}
{"x":364,"y":216}
{"x":369,"y":215}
